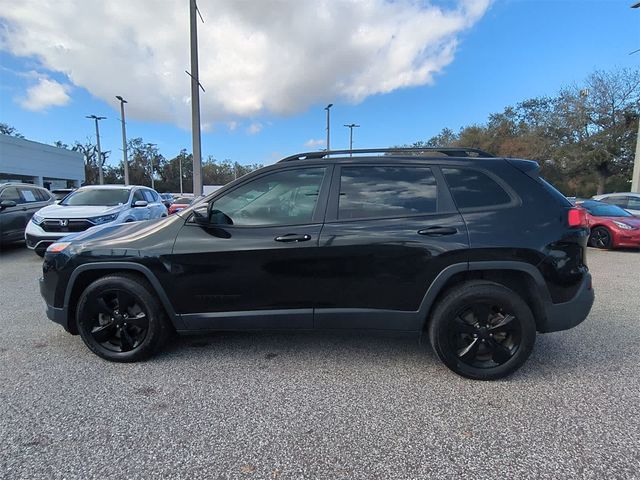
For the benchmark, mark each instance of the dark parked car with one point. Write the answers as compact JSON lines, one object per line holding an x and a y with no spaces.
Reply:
{"x":18,"y":203}
{"x":167,"y":199}
{"x":476,"y":252}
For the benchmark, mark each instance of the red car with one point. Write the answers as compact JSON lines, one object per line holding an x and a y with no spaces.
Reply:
{"x":611,"y":226}
{"x":180,"y":204}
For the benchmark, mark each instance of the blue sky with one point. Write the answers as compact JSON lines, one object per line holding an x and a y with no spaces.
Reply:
{"x":516,"y":50}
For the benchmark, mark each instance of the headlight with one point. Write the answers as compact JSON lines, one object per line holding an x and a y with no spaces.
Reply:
{"x":623,"y":225}
{"x":37,"y":219}
{"x":103,"y":219}
{"x":57,"y":247}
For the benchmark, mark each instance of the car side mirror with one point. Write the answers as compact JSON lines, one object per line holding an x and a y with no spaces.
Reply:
{"x":7,"y":204}
{"x":140,"y":203}
{"x":218,"y":217}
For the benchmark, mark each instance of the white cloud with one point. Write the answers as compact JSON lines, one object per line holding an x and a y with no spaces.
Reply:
{"x":255,"y":127}
{"x":256,"y":57}
{"x":315,"y":143}
{"x":44,"y":94}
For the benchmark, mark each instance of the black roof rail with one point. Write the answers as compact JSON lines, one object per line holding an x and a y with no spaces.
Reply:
{"x":446,"y":151}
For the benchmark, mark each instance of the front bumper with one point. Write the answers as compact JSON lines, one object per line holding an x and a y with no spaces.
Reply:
{"x":562,"y":316}
{"x":58,"y":315}
{"x":627,"y":238}
{"x":36,"y":237}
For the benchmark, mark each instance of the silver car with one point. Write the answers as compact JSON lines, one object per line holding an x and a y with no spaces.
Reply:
{"x":89,"y":206}
{"x":628,"y":200}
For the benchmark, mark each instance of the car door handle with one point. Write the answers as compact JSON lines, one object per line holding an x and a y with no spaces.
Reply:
{"x":293,"y":237}
{"x":438,"y":231}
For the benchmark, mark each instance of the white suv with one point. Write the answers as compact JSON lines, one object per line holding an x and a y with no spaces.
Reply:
{"x":91,"y":206}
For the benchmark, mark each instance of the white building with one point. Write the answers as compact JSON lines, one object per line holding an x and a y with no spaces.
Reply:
{"x":44,"y":165}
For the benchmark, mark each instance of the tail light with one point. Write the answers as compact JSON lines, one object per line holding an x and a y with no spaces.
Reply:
{"x":577,"y":217}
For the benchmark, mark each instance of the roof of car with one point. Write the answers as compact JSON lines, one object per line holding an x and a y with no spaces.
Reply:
{"x":111,"y":187}
{"x":415,"y":153}
{"x":16,"y":184}
{"x":617,"y":194}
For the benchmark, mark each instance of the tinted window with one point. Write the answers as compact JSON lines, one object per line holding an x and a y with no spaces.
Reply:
{"x":634,"y":203}
{"x":386,"y":191}
{"x":29,"y":195}
{"x":473,"y":189}
{"x":599,"y":209}
{"x":282,"y":198}
{"x":11,"y":193}
{"x":97,"y":197}
{"x":148,"y":196}
{"x":42,"y":195}
{"x":138,"y":196}
{"x":620,"y":201}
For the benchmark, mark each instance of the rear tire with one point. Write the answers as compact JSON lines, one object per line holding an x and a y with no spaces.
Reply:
{"x":482,"y":330}
{"x":120,"y":319}
{"x":600,"y":237}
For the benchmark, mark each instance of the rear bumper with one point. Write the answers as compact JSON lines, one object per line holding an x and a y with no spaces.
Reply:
{"x":562,"y":316}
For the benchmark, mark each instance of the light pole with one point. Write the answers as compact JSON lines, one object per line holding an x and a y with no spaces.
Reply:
{"x":635,"y":177}
{"x":327,"y":108}
{"x":149,"y":146}
{"x":96,"y":119}
{"x":180,"y":163}
{"x":351,"y":126}
{"x":195,"y":99}
{"x":125,"y":160}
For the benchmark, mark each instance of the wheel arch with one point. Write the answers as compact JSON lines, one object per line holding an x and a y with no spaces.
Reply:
{"x":523,"y":278}
{"x":85,"y":274}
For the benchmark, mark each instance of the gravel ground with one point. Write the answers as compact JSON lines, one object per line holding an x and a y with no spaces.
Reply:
{"x":293,"y":406}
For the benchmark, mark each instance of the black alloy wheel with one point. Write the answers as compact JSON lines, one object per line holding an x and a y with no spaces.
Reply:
{"x":484,"y":335}
{"x":600,"y":238}
{"x":120,"y":323}
{"x":482,"y":330}
{"x":120,"y":318}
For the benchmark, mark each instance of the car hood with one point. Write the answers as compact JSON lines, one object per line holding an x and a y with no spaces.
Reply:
{"x":80,"y":211}
{"x":149,"y":237}
{"x":632,"y":221}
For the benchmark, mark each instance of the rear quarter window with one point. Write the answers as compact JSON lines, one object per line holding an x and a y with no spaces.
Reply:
{"x":473,"y":189}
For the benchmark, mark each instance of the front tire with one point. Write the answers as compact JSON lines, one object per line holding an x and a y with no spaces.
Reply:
{"x":482,"y":330}
{"x":600,"y":237}
{"x":120,"y":319}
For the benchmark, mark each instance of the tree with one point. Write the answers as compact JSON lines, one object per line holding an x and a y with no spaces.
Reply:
{"x":6,"y":129}
{"x":583,"y":137}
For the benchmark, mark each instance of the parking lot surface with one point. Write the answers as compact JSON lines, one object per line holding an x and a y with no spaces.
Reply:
{"x":292,"y":406}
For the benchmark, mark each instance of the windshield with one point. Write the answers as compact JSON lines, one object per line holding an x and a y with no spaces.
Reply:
{"x":184,"y":200}
{"x":106,"y":197}
{"x":599,"y":209}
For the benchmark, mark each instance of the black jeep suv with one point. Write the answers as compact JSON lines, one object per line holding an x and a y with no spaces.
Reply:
{"x":475,"y":251}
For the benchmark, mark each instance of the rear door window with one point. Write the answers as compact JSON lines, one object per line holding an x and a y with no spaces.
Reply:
{"x":28,"y":194}
{"x":386,"y":191}
{"x":473,"y":189}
